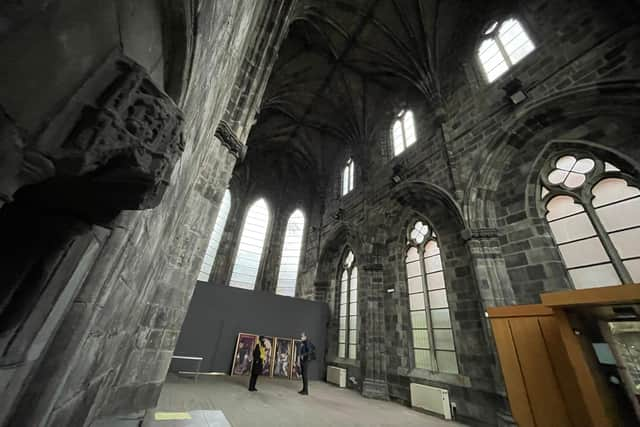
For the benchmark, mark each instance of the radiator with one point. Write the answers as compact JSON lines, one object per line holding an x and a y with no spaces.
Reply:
{"x":431,"y":399}
{"x":337,"y":376}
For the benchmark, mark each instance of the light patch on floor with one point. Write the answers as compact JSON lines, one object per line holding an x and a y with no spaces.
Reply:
{"x":167,"y":416}
{"x":277,"y":403}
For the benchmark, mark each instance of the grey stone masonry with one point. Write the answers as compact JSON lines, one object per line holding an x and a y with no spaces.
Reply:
{"x":108,"y":350}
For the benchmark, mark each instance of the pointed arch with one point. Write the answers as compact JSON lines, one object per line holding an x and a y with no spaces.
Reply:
{"x":254,"y":232}
{"x":432,"y":331}
{"x":557,"y":113}
{"x":290,"y":258}
{"x":592,"y":208}
{"x":348,"y":307}
{"x":216,"y":236}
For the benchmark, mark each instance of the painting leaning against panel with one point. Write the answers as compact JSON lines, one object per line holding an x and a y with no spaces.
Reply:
{"x":243,"y":355}
{"x":296,"y":369}
{"x":282,"y":359}
{"x":268,"y":343}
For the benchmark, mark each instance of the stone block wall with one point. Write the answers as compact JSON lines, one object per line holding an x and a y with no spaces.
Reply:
{"x":109,"y":351}
{"x":474,"y":175}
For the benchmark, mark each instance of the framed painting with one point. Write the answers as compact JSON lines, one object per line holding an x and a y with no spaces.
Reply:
{"x":296,"y":369}
{"x":282,"y":358}
{"x":269,"y":348}
{"x":244,"y":354}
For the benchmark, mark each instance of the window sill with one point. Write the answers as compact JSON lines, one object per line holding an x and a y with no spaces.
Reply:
{"x":344,"y":362}
{"x":404,"y":156}
{"x":441,"y":377}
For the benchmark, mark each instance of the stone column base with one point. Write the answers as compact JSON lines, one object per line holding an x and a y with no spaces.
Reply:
{"x":375,"y":389}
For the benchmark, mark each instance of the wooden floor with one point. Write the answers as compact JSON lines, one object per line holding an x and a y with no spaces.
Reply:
{"x":277,"y":403}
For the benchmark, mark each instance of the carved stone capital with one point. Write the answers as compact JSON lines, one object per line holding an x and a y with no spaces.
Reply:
{"x":225,"y":134}
{"x":131,"y":140}
{"x":114,"y":150}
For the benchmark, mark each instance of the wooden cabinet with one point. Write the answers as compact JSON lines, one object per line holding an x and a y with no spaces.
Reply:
{"x":549,"y":368}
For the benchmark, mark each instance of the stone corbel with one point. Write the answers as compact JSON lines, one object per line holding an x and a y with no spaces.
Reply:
{"x":108,"y":150}
{"x":228,"y":138}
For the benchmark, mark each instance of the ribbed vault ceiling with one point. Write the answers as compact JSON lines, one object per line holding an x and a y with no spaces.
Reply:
{"x":345,"y":65}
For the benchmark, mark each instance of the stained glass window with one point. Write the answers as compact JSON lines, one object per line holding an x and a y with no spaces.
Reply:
{"x":403,"y":132}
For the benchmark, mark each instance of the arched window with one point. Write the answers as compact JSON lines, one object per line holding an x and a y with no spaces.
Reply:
{"x":290,"y":258}
{"x":433,"y":344}
{"x":404,"y":134}
{"x":216,"y":236}
{"x":347,"y":177}
{"x":504,"y":44}
{"x":594,"y":215}
{"x":348,"y":318}
{"x":245,"y":269}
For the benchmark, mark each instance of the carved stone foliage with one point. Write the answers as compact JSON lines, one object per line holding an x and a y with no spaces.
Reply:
{"x":117,"y":153}
{"x":131,"y":140}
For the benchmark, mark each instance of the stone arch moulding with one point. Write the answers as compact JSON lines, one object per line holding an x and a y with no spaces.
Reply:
{"x":416,"y":194}
{"x":332,"y":251}
{"x":179,"y":41}
{"x":557,"y":111}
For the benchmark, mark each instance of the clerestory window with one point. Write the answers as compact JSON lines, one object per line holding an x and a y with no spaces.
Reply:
{"x":504,"y":44}
{"x":403,"y":132}
{"x":347,"y":177}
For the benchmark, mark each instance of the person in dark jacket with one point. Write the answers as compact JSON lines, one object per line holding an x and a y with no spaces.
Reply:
{"x":307,"y":353}
{"x":259,"y":357}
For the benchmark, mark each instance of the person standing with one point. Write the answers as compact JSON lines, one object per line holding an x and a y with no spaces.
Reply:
{"x":259,"y":357}
{"x":307,"y":353}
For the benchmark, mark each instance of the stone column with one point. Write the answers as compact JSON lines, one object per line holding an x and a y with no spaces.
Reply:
{"x":495,"y":290}
{"x":489,"y":266}
{"x":273,"y":252}
{"x":372,"y":353}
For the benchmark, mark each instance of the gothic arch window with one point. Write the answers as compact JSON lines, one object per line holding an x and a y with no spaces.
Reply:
{"x":348,"y":312}
{"x":503,"y":45}
{"x":403,"y":132}
{"x":290,"y":258}
{"x":432,"y":344}
{"x":593,"y":210}
{"x":254,"y":231}
{"x":216,"y":236}
{"x":347,"y":177}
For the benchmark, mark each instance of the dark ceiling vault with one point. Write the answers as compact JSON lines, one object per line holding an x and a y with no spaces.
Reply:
{"x":343,"y":71}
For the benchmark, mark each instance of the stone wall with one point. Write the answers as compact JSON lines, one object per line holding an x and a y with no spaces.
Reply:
{"x":474,"y":175}
{"x":106,"y":345}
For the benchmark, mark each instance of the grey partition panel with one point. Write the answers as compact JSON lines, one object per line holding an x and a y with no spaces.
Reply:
{"x":218,"y":313}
